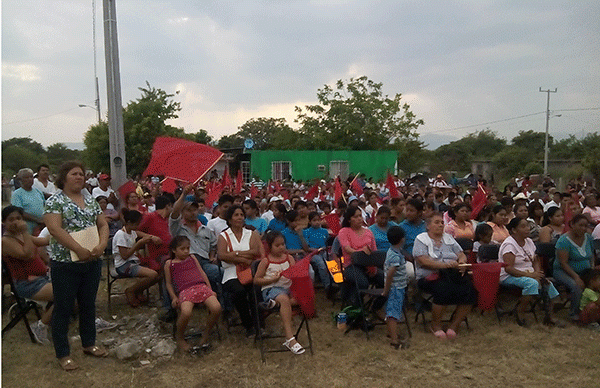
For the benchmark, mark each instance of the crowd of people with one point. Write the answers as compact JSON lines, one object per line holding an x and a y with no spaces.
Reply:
{"x":201,"y":245}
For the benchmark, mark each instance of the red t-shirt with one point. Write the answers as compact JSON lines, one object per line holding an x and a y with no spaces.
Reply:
{"x":156,"y":225}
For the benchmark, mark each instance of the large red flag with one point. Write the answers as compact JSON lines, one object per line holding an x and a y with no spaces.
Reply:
{"x":337,"y":195}
{"x":478,"y":202}
{"x":391,"y":185}
{"x":239,"y":182}
{"x":169,"y":185}
{"x":181,"y":159}
{"x":312,"y":193}
{"x":125,"y":189}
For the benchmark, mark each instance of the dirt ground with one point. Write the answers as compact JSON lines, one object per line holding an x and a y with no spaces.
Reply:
{"x":487,"y":355}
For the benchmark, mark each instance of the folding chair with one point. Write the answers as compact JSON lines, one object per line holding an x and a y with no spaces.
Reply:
{"x":373,"y":295}
{"x":423,"y":300}
{"x":112,"y":276}
{"x":18,"y":311}
{"x":260,"y":310}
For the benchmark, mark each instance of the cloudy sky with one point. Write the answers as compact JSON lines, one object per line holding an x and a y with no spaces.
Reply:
{"x":459,"y":64}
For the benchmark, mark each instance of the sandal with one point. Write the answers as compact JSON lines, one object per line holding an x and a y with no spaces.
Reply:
{"x":67,"y":364}
{"x":296,"y":348}
{"x":440,"y":334}
{"x":96,"y":351}
{"x":450,"y":334}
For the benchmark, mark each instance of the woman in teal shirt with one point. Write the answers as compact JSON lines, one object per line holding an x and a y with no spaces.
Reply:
{"x":574,"y":254}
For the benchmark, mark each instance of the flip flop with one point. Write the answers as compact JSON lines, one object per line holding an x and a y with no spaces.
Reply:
{"x":96,"y":351}
{"x":450,"y":334}
{"x":440,"y":334}
{"x":296,"y":348}
{"x":67,"y":364}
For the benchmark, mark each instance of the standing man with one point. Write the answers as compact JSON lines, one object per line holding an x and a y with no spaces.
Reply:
{"x":31,"y":200}
{"x":42,"y":182}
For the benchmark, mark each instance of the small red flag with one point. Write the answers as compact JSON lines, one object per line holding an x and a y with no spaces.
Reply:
{"x":239,"y":182}
{"x":226,"y":180}
{"x":213,"y":194}
{"x":313,"y":192}
{"x":337,"y":191}
{"x":478,"y":202}
{"x":302,"y":288}
{"x":391,"y":185}
{"x":358,"y":190}
{"x":253,"y":191}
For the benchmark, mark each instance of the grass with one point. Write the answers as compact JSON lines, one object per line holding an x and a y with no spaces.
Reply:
{"x":487,"y":355}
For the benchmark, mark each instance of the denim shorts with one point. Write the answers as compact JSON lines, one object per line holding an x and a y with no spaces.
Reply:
{"x":394,"y":304}
{"x":129,"y":269}
{"x":28,"y":288}
{"x":273,"y":292}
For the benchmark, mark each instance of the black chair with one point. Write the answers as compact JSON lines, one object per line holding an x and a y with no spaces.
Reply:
{"x":374,"y":299}
{"x":547,"y":254}
{"x":488,"y":253}
{"x":465,"y":243}
{"x":21,"y":307}
{"x":596,"y":252}
{"x":260,"y":311}
{"x":423,"y":302}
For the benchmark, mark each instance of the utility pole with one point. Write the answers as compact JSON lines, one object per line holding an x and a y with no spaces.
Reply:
{"x":548,"y":91}
{"x":95,"y":69}
{"x":118,"y":170}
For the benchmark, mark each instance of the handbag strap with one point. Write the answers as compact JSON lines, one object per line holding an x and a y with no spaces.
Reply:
{"x":229,"y":245}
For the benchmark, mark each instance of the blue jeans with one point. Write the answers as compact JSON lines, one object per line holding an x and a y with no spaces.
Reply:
{"x":318,"y":261}
{"x":70,"y":282}
{"x":563,"y":278}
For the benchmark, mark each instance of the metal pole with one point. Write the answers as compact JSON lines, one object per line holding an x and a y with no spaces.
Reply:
{"x":116,"y":135}
{"x":548,"y":91}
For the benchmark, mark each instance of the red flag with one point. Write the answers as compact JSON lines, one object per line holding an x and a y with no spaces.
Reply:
{"x":181,"y":159}
{"x":169,"y":185}
{"x":278,"y":186}
{"x":337,"y":191}
{"x":333,"y":223}
{"x":271,"y":188}
{"x":239,"y":182}
{"x":125,"y":189}
{"x":226,"y":180}
{"x":253,"y":191}
{"x":478,"y":202}
{"x":302,"y":288}
{"x":391,"y":185}
{"x":312,"y":193}
{"x":212,"y":195}
{"x":358,"y":190}
{"x":486,"y":279}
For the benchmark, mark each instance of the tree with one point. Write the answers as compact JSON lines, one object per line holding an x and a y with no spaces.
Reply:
{"x":58,"y":153}
{"x":357,"y":116}
{"x":266,"y":132}
{"x":16,"y":157}
{"x":144,"y":120}
{"x":533,"y":141}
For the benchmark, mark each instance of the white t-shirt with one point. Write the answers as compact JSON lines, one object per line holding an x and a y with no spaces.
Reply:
{"x":268,"y":216}
{"x":126,"y":240}
{"x":97,"y":192}
{"x":217,"y":225}
{"x":43,"y":234}
{"x":49,"y":189}
{"x":596,"y":232}
{"x":523,"y":255}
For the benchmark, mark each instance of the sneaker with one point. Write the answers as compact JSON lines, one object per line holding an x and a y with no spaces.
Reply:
{"x":102,"y":325}
{"x":268,"y":305}
{"x":40,"y":332}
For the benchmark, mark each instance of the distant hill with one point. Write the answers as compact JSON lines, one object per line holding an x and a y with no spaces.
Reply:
{"x":75,"y":146}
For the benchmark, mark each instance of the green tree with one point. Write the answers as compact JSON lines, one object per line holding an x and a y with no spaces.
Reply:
{"x":460,"y":153}
{"x":266,"y":132}
{"x":59,"y":153}
{"x":533,"y":141}
{"x":356,"y":115}
{"x":590,"y":160}
{"x":144,"y":120}
{"x":16,"y":157}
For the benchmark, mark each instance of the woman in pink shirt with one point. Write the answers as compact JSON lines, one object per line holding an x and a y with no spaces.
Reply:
{"x":358,"y":248}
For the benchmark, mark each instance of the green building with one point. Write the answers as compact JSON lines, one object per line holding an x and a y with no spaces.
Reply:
{"x":306,"y":165}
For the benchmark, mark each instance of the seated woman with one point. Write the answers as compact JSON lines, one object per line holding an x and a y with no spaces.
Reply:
{"x":358,"y":244}
{"x":381,"y":227}
{"x":460,"y":225}
{"x":438,"y":257}
{"x":28,"y":271}
{"x":553,"y":225}
{"x":498,"y":223}
{"x":592,"y":210}
{"x":536,"y":215}
{"x":574,"y":256}
{"x":238,"y":245}
{"x":524,"y":269}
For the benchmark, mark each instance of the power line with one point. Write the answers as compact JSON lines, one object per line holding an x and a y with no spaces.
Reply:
{"x":574,"y":110}
{"x":481,"y":124}
{"x":39,"y":118}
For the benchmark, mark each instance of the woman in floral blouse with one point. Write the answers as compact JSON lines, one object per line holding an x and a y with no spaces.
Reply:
{"x":68,"y":211}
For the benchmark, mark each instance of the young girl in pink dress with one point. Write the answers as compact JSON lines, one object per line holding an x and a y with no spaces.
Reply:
{"x":187,"y":285}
